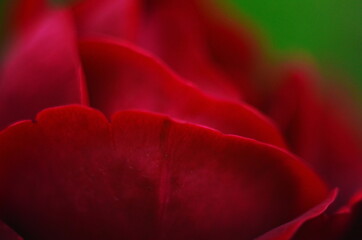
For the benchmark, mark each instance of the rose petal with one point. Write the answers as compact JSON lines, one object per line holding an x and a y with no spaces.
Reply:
{"x":172,"y":31}
{"x":354,"y":227}
{"x":317,"y":131}
{"x":42,"y":70}
{"x":6,"y":233}
{"x":344,"y":224}
{"x":203,"y":46}
{"x":234,"y":48}
{"x":288,"y":230}
{"x":73,"y":175}
{"x":25,"y":13}
{"x":121,"y":76}
{"x":118,"y":18}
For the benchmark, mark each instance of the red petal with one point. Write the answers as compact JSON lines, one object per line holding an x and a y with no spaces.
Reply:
{"x":173,"y":32}
{"x":206,"y":49}
{"x":317,"y":131}
{"x":118,"y":18}
{"x":288,"y":230}
{"x":344,"y":224}
{"x":120,"y":76}
{"x":7,"y":233}
{"x":73,"y":175}
{"x":25,"y":13}
{"x":204,"y":46}
{"x":354,"y":230}
{"x":42,"y":70}
{"x":233,"y":48}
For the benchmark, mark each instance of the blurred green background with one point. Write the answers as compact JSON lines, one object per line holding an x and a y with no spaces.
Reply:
{"x":328,"y":30}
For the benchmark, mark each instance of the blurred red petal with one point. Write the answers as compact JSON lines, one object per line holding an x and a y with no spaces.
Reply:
{"x":144,"y":176}
{"x":233,"y":47}
{"x":6,"y":233}
{"x":118,"y":18}
{"x":121,"y":76}
{"x":317,"y":131}
{"x":24,"y":13}
{"x":42,"y":70}
{"x":172,"y":31}
{"x":344,"y":224}
{"x":203,"y":45}
{"x":288,"y":230}
{"x":215,"y":54}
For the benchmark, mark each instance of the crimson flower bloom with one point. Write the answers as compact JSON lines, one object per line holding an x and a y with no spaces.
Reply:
{"x":162,"y":119}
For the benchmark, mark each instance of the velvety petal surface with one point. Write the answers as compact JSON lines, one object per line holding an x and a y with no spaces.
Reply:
{"x":288,"y":230}
{"x":121,"y":76}
{"x":41,"y":70}
{"x":172,"y":31}
{"x":6,"y":233}
{"x":24,"y":13}
{"x":73,"y":175}
{"x":234,"y":48}
{"x":344,"y":224}
{"x":203,"y":45}
{"x":318,"y":129}
{"x":117,"y":18}
{"x":215,"y":54}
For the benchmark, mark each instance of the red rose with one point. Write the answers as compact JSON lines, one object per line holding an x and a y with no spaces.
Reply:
{"x":179,"y":148}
